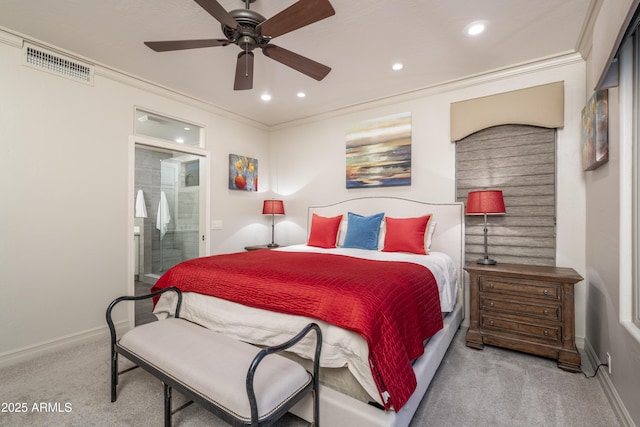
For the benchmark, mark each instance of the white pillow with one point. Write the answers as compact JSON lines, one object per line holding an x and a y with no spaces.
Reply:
{"x":343,"y":231}
{"x":429,"y":234}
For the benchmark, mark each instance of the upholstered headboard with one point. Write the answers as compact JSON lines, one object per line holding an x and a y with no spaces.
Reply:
{"x":449,"y":233}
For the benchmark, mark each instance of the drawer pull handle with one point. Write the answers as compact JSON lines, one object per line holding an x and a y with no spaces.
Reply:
{"x":491,"y":285}
{"x":546,"y":333}
{"x":490,"y":322}
{"x":491,"y":304}
{"x":546,"y":292}
{"x":546,"y":312}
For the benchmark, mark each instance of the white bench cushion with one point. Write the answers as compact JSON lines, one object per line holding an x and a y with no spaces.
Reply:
{"x":215,"y":365}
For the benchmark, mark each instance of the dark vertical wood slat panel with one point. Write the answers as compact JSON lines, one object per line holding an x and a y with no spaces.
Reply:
{"x":520,"y":161}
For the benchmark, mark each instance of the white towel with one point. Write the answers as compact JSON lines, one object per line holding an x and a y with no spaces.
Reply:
{"x":141,"y":207}
{"x":164,"y":217}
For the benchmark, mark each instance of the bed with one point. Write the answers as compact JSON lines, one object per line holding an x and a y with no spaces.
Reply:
{"x":355,"y":383}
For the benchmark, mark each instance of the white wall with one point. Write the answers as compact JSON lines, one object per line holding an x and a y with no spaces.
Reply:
{"x":310,"y":165}
{"x":65,"y":208}
{"x":604,"y":333}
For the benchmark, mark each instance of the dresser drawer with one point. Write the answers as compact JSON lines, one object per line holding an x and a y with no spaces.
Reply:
{"x":545,"y":311}
{"x":551,"y":333}
{"x":520,"y":287}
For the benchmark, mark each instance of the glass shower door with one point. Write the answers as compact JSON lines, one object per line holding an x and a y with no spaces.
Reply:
{"x":177,"y":220}
{"x":172,"y":232}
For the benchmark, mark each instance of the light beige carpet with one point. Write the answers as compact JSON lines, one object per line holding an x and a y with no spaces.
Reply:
{"x":493,"y":387}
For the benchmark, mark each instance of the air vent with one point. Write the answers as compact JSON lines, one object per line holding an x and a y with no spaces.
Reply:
{"x":55,"y":63}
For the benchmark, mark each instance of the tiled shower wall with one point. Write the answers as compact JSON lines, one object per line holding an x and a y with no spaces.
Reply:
{"x":159,"y":255}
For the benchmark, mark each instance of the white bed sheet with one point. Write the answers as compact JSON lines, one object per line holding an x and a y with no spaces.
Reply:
{"x":340,"y":347}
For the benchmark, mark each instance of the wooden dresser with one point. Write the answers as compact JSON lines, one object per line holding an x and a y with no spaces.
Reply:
{"x":525,"y":308}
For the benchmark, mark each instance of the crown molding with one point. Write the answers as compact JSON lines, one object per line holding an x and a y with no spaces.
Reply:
{"x":529,"y":67}
{"x":7,"y":37}
{"x":17,"y":40}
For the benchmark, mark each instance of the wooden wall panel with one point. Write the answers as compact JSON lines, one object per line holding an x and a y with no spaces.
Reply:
{"x":520,"y":161}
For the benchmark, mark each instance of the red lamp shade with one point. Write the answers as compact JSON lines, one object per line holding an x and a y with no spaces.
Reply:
{"x":273,"y":207}
{"x":488,"y":202}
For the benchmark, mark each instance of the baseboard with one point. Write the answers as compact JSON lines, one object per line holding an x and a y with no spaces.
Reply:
{"x":609,"y":390}
{"x":30,"y":352}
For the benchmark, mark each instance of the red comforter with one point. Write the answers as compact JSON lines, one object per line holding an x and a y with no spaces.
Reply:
{"x":394,"y":306}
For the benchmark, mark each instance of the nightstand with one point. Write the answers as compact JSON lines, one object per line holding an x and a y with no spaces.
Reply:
{"x":525,"y":308}
{"x":257,"y":247}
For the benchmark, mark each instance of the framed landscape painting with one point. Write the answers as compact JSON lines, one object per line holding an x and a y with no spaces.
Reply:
{"x":379,"y":152}
{"x":595,"y":131}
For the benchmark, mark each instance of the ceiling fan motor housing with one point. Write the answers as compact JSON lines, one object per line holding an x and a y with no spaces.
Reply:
{"x":246,"y":35}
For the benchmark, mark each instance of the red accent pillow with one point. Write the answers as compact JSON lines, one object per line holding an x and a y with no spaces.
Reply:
{"x":324,"y":231}
{"x":405,"y":234}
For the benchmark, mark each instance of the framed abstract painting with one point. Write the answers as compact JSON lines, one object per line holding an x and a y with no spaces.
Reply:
{"x":379,"y":152}
{"x":595,"y":131}
{"x":243,"y":173}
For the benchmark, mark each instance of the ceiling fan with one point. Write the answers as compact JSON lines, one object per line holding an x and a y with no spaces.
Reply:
{"x":250,"y":30}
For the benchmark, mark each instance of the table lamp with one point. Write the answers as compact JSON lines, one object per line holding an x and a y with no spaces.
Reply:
{"x":485,"y":202}
{"x":273,"y":208}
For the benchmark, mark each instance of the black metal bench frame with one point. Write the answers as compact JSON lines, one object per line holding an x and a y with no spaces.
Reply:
{"x":170,"y":383}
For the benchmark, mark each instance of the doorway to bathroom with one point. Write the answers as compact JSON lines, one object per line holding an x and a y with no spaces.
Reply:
{"x":168,"y":215}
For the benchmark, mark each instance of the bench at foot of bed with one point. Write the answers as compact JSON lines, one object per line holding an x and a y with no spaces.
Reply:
{"x":217,"y":372}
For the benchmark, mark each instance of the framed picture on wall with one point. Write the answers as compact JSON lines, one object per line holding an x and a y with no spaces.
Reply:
{"x":243,"y":173}
{"x":595,"y":131}
{"x":379,"y":152}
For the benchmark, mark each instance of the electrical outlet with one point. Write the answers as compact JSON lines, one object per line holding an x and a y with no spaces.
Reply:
{"x":609,"y":362}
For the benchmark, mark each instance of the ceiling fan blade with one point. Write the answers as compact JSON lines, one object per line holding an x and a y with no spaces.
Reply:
{"x":217,"y":11}
{"x":311,"y":68}
{"x":299,"y":14}
{"x":244,"y":71}
{"x":163,"y":46}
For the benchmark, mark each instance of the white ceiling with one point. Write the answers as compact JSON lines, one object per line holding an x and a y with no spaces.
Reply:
{"x":360,"y":43}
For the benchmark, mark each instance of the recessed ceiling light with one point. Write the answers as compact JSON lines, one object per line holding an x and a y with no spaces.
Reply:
{"x":180,"y":140}
{"x":187,"y":128}
{"x":265,"y":97}
{"x":476,"y":28}
{"x":301,"y":94}
{"x":397,"y":66}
